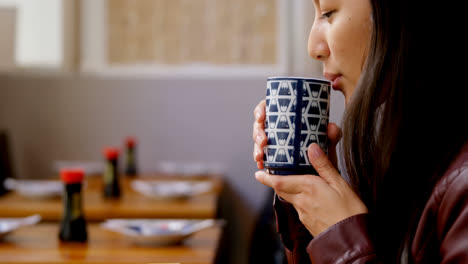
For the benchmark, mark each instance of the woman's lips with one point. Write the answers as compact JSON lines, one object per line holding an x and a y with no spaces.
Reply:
{"x":335,"y":79}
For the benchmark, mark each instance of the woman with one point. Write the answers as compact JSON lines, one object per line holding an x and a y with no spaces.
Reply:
{"x":404,"y":147}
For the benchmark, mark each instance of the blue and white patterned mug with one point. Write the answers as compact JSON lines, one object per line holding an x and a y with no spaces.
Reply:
{"x":297,"y":114}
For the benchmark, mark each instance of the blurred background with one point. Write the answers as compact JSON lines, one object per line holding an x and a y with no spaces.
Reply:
{"x":182,"y":76}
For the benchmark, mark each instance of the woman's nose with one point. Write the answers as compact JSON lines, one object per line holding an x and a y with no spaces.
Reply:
{"x":317,"y":46}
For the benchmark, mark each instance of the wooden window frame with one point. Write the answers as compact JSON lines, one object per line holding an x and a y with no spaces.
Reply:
{"x":94,"y":48}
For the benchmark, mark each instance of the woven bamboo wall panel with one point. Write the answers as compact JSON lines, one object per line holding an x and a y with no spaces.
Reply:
{"x":192,"y":31}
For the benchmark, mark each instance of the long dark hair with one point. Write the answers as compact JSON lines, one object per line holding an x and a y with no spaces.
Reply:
{"x":406,"y":120}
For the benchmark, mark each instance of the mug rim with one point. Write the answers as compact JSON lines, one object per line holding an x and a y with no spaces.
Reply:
{"x":298,"y":78}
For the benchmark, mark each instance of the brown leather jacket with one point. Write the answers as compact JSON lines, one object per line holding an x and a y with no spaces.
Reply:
{"x":441,"y":235}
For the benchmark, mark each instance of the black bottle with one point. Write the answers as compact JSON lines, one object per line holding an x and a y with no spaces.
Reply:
{"x":73,"y":224}
{"x":5,"y":162}
{"x":111,"y":174}
{"x":131,"y":169}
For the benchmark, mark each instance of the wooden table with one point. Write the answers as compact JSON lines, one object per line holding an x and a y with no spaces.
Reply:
{"x":130,"y":205}
{"x":39,"y":244}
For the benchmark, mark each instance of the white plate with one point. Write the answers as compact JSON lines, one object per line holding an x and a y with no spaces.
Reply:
{"x":36,"y":188}
{"x":190,"y":169}
{"x":7,"y":225}
{"x":171,"y":189}
{"x":158,"y":232}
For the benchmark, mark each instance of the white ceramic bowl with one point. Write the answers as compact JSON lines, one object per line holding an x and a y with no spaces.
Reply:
{"x":171,"y":189}
{"x":36,"y":188}
{"x":157,"y":232}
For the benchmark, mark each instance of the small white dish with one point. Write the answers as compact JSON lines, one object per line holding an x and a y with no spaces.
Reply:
{"x":36,"y":188}
{"x":159,"y":189}
{"x":158,"y":232}
{"x":190,"y":169}
{"x":7,"y":225}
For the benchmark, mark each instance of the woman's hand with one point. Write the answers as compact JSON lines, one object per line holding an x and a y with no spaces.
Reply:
{"x":320,"y":201}
{"x":260,"y":138}
{"x":259,"y":135}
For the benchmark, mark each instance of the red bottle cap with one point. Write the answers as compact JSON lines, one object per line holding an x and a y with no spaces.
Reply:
{"x":130,"y":142}
{"x":111,"y":153}
{"x":72,"y":175}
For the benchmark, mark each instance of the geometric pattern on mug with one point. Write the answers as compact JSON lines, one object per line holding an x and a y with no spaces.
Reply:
{"x":280,"y":120}
{"x":315,"y":112}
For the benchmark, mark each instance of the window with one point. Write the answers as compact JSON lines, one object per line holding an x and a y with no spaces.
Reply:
{"x":222,"y":32}
{"x":185,"y":37}
{"x":178,"y":38}
{"x":38,"y":32}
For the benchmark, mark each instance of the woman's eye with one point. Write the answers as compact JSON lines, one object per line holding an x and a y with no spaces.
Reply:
{"x":327,"y":15}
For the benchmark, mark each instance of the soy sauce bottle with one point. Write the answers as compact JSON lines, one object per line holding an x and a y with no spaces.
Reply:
{"x":73,"y":223}
{"x":5,"y":162}
{"x":111,"y":174}
{"x":131,"y":169}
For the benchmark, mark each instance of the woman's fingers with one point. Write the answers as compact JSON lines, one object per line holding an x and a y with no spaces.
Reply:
{"x":259,"y":115}
{"x":285,"y":186}
{"x":260,"y":142}
{"x":320,"y":201}
{"x":259,"y":112}
{"x":334,"y":135}
{"x":258,"y":153}
{"x":260,"y":165}
{"x":292,"y":188}
{"x":322,"y":164}
{"x":259,"y":135}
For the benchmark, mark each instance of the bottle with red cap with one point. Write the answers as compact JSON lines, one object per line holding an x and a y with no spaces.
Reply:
{"x":73,"y":223}
{"x":111,"y":174}
{"x":131,"y":169}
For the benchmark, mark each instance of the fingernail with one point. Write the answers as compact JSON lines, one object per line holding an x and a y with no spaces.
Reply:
{"x":259,"y":174}
{"x":315,"y":150}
